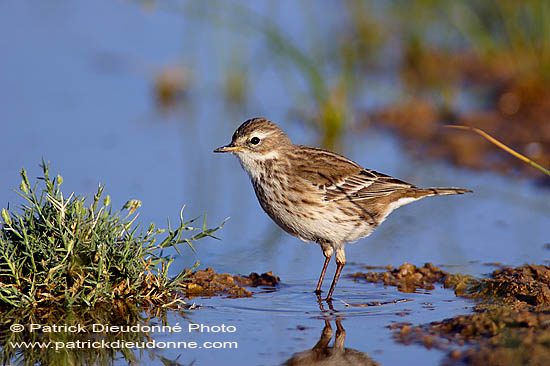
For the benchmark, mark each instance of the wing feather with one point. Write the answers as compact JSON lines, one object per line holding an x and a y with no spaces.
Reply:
{"x":367,"y":184}
{"x":342,"y":179}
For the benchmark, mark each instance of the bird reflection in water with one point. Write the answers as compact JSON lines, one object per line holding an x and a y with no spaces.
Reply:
{"x":337,"y":354}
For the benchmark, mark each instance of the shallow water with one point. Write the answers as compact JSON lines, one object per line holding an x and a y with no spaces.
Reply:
{"x":272,"y":327}
{"x":76,"y":90}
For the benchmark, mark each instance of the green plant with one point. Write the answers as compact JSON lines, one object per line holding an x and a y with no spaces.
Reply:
{"x":58,"y":251}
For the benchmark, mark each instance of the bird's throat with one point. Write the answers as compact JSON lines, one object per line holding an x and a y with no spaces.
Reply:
{"x":258,"y":165}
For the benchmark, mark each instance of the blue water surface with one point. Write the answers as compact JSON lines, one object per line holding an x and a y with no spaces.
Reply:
{"x":76,"y":88}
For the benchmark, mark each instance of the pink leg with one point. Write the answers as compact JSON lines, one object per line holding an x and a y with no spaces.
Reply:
{"x":327,"y":259}
{"x":339,"y":267}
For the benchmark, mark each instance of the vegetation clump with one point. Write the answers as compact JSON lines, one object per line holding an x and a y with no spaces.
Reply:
{"x":59,"y":251}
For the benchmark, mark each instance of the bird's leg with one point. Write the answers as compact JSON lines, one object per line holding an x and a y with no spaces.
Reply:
{"x":340,"y":263}
{"x":339,"y":267}
{"x":327,"y":259}
{"x":327,"y":251}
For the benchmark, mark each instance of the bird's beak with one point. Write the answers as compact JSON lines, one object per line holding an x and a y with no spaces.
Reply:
{"x":228,"y":148}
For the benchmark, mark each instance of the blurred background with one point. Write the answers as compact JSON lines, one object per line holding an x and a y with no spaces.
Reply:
{"x":136,"y":95}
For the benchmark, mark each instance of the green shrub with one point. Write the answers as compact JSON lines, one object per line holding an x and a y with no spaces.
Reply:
{"x":57,"y":251}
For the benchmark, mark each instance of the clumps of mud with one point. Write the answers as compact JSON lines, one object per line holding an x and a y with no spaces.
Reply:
{"x":209,"y":283}
{"x":511,"y":325}
{"x":495,"y":336}
{"x":529,"y":284}
{"x":407,"y":278}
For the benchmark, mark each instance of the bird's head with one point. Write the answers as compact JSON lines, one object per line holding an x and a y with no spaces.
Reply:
{"x":257,"y":138}
{"x":256,"y":142}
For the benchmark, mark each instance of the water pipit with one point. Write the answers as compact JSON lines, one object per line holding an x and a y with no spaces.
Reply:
{"x":317,"y":195}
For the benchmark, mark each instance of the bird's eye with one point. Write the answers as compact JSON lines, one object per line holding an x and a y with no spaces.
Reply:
{"x":255,"y":140}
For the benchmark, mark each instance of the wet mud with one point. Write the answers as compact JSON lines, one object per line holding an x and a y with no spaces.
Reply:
{"x":209,"y":283}
{"x":407,"y":278}
{"x":511,"y":323}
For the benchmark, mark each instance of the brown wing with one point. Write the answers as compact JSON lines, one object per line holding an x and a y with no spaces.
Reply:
{"x":339,"y":178}
{"x":365,"y":185}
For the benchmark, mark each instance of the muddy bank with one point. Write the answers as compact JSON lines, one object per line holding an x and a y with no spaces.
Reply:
{"x":511,"y":323}
{"x":209,"y":283}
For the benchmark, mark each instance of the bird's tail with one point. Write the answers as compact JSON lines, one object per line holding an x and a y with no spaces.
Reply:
{"x":414,"y":194}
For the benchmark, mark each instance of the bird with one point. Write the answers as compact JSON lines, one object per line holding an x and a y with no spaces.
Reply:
{"x":318,"y":195}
